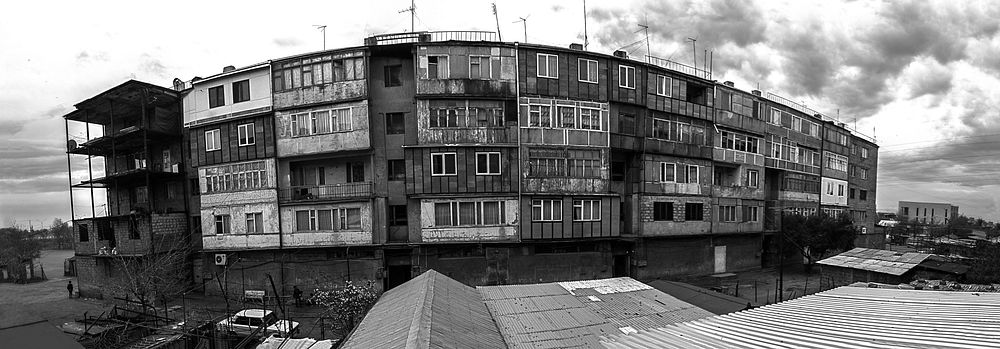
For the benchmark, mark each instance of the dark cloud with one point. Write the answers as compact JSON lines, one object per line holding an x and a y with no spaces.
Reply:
{"x":152,"y":65}
{"x":46,"y":184}
{"x":11,"y":127}
{"x":287,"y":42}
{"x":557,"y":8}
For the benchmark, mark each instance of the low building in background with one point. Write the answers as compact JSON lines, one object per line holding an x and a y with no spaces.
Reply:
{"x":891,"y":267}
{"x":932,"y":213}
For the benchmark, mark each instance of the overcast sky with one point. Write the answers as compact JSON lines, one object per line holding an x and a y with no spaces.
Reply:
{"x":924,"y":76}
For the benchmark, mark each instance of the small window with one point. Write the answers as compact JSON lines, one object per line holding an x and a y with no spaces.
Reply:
{"x":480,"y":67}
{"x":751,"y":213}
{"x":840,"y":190}
{"x":241,"y":91}
{"x":626,"y":76}
{"x":393,"y":75}
{"x":663,"y":86}
{"x":863,"y":195}
{"x":850,"y":193}
{"x":667,"y":172}
{"x":216,"y":96}
{"x":437,"y":67}
{"x":549,"y":210}
{"x":443,"y":164}
{"x":212,"y":140}
{"x":864,"y":173}
{"x":586,"y":210}
{"x":548,"y":66}
{"x":84,"y":233}
{"x":663,"y":211}
{"x":588,"y":70}
{"x":397,"y":215}
{"x":397,"y":170}
{"x":487,"y":163}
{"x":246,"y":133}
{"x":692,"y":174}
{"x":222,"y":224}
{"x":727,"y":214}
{"x":394,"y":124}
{"x":255,"y":223}
{"x":864,"y":153}
{"x":752,"y":179}
{"x":355,"y":172}
{"x":694,"y":211}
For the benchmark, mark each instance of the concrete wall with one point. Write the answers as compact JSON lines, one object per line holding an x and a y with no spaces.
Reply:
{"x":929,"y":212}
{"x":307,"y":269}
{"x":839,"y":192}
{"x":506,"y":231}
{"x":237,"y":204}
{"x":678,"y":226}
{"x":322,"y":238}
{"x":196,"y":107}
{"x":355,"y":139}
{"x":459,"y":81}
{"x":688,"y":256}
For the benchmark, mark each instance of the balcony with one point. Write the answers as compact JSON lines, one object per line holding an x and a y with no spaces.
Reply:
{"x":328,"y":192}
{"x":433,"y":36}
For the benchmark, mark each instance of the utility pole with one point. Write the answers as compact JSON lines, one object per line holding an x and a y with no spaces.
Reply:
{"x":413,"y":13}
{"x":322,"y":28}
{"x":694,"y":52}
{"x":525,"y":21}
{"x":497,"y":18}
{"x":586,"y":42}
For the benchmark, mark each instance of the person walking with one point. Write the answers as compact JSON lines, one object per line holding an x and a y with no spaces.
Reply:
{"x":297,"y":294}
{"x":69,"y":287}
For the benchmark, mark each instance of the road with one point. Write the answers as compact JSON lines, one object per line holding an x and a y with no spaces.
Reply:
{"x":46,"y":300}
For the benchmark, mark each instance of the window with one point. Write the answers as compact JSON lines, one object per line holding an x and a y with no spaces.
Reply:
{"x":906,"y":210}
{"x":752,"y":179}
{"x":548,"y":163}
{"x":328,"y":219}
{"x":663,"y":211}
{"x":692,"y":174}
{"x":590,"y":119}
{"x":317,"y":71}
{"x":245,"y":176}
{"x":727,"y":214}
{"x":586,"y":210}
{"x":667,"y":172}
{"x":540,"y":115}
{"x":548,"y":210}
{"x":241,"y":91}
{"x":355,"y":172}
{"x":850,"y":193}
{"x":133,"y":230}
{"x":222,"y":224}
{"x":459,"y":213}
{"x":394,"y":124}
{"x":84,"y":233}
{"x":863,"y":195}
{"x":663,"y":86}
{"x":437,"y":67}
{"x":255,"y":223}
{"x":468,"y":113}
{"x":212,"y":140}
{"x":840,"y":190}
{"x":751,"y":213}
{"x":694,"y":211}
{"x":320,"y":122}
{"x":588,"y":70}
{"x":626,"y":76}
{"x":246,"y":133}
{"x":836,"y":161}
{"x":397,"y":215}
{"x":216,"y":96}
{"x":676,"y":131}
{"x":397,"y":170}
{"x":864,"y":153}
{"x":548,"y":66}
{"x":393,"y":75}
{"x":736,"y":141}
{"x":487,"y":163}
{"x":480,"y":67}
{"x":864,"y":173}
{"x":443,"y":164}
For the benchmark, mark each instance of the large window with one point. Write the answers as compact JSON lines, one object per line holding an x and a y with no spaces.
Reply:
{"x":321,"y":122}
{"x":318,"y":71}
{"x":663,"y":211}
{"x":255,"y":222}
{"x":626,"y":76}
{"x":694,"y":211}
{"x":727,"y":214}
{"x":792,"y":122}
{"x":547,"y":163}
{"x":548,"y":66}
{"x":397,"y":215}
{"x":241,"y":91}
{"x":466,"y":113}
{"x":245,"y":176}
{"x":752,"y":179}
{"x":668,"y":172}
{"x":588,"y":70}
{"x":663,"y":86}
{"x":787,"y":150}
{"x":213,"y":140}
{"x":676,"y":131}
{"x":480,"y":67}
{"x":546,"y":210}
{"x":328,"y":219}
{"x":437,"y":67}
{"x":836,"y":161}
{"x":487,"y":163}
{"x":751,"y":213}
{"x":736,"y":141}
{"x":394,"y":124}
{"x":586,"y":210}
{"x":692,"y":174}
{"x":393,"y":75}
{"x":397,"y":170}
{"x":467,"y":213}
{"x":246,"y":134}
{"x":216,"y":96}
{"x":443,"y":164}
{"x":222,"y":224}
{"x":584,"y":116}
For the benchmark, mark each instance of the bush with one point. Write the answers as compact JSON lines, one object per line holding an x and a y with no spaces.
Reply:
{"x":346,"y":305}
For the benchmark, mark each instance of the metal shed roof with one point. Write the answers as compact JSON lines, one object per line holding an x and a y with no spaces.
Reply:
{"x":845,"y":317}
{"x":880,"y":261}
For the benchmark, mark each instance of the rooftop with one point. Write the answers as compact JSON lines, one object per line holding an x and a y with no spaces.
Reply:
{"x":36,"y":335}
{"x":880,"y":261}
{"x":716,"y":302}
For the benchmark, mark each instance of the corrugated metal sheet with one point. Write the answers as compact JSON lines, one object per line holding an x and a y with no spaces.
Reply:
{"x":845,"y":317}
{"x":715,"y":302}
{"x":578,"y":313}
{"x":880,"y":261}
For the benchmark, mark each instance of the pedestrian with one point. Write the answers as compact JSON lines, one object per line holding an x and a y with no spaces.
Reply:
{"x":297,"y":293}
{"x":69,"y":288}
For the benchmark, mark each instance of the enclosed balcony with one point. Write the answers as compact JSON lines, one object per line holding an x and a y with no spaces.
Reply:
{"x":306,"y":193}
{"x":326,"y":180}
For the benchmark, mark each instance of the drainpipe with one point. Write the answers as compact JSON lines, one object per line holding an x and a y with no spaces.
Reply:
{"x":520,"y":171}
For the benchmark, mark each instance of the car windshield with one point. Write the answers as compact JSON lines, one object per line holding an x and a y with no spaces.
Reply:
{"x":250,"y":321}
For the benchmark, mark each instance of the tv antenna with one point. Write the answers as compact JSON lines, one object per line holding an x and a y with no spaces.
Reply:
{"x":322,"y":28}
{"x":645,"y":31}
{"x":497,"y":18}
{"x":413,"y":13}
{"x":525,"y":21}
{"x":694,"y":51}
{"x":585,"y":41}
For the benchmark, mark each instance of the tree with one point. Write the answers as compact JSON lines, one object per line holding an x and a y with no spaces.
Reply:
{"x":347,"y":305}
{"x":62,"y":234}
{"x":815,"y":235}
{"x":985,"y":264}
{"x":159,"y":275}
{"x":18,"y":247}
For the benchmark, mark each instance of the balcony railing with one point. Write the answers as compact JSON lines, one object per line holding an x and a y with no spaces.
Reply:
{"x":679,"y":67}
{"x":812,"y":112}
{"x":435,"y":36}
{"x":326,"y":192}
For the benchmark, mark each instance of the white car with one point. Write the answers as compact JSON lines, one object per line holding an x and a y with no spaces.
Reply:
{"x":265,"y":322}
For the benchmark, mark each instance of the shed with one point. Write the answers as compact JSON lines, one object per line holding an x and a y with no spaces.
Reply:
{"x":891,"y":267}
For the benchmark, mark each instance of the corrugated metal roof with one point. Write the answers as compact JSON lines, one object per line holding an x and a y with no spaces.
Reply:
{"x":430,"y":311}
{"x":36,"y":335}
{"x":578,"y":313}
{"x":715,"y":302}
{"x":880,"y":261}
{"x":845,"y":317}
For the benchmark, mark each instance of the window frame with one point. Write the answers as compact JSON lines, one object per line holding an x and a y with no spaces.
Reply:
{"x":727,"y":214}
{"x":257,"y":218}
{"x":697,"y":174}
{"x":583,"y":63}
{"x":443,"y":171}
{"x":438,"y":67}
{"x":246,"y":91}
{"x":553,"y":210}
{"x":689,"y":213}
{"x":389,"y":129}
{"x":666,"y":83}
{"x":625,"y":74}
{"x":214,"y":142}
{"x":752,"y":178}
{"x":250,"y":137}
{"x":219,"y":94}
{"x":594,"y":211}
{"x":387,"y":74}
{"x":662,"y":172}
{"x":489,"y":161}
{"x":391,"y":174}
{"x":550,"y":71}
{"x":668,"y":214}
{"x":489,"y":67}
{"x":225,"y":222}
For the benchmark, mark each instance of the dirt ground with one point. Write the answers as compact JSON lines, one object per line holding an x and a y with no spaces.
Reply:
{"x":759,"y":286}
{"x":47,"y":300}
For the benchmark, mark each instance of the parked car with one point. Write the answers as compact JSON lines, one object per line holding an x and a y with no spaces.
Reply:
{"x":246,"y":321}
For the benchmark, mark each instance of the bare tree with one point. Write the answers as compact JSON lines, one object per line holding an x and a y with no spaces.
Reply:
{"x":19,"y":247}
{"x":62,"y":234}
{"x":159,"y":275}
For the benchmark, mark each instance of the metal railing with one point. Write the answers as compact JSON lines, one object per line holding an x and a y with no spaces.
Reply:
{"x":812,"y":112}
{"x":326,"y":192}
{"x":431,"y":36}
{"x":679,"y":67}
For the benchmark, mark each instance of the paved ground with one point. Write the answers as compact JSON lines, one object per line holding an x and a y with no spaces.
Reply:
{"x":759,"y":286}
{"x":46,"y":300}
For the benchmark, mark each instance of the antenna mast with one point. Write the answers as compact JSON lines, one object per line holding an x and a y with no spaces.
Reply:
{"x":645,"y":30}
{"x":413,"y":13}
{"x":497,"y":18}
{"x":694,"y":52}
{"x":586,"y":42}
{"x":322,"y":28}
{"x":525,"y":21}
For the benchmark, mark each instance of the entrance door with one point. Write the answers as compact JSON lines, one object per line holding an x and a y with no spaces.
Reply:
{"x":621,"y":266}
{"x":398,"y":268}
{"x":720,"y":259}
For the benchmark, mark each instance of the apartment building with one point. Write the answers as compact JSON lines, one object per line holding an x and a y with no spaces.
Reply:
{"x":933,"y":213}
{"x":498,"y":163}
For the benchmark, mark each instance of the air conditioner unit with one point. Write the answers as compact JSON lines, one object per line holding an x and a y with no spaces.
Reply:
{"x":220,"y":259}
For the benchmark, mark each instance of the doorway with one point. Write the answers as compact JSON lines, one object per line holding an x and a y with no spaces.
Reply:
{"x":720,"y":259}
{"x":397,"y":268}
{"x":621,"y":266}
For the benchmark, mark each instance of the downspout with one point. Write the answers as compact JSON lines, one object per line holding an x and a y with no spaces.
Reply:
{"x":520,"y":171}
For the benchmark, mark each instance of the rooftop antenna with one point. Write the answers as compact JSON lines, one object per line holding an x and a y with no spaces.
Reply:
{"x":586,"y":42}
{"x":413,"y":13}
{"x":497,"y":18}
{"x":645,"y":30}
{"x":322,"y":28}
{"x":525,"y":21}
{"x":694,"y":51}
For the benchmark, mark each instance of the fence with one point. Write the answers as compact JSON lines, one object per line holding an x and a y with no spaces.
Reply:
{"x":765,"y":291}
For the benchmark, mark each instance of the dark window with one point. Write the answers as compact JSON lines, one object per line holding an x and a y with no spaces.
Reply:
{"x":195,"y":187}
{"x":84,"y":233}
{"x":394,"y":124}
{"x":397,"y":170}
{"x":392,"y":75}
{"x":355,"y":172}
{"x":397,"y":215}
{"x":216,"y":97}
{"x":694,"y":211}
{"x":241,"y":91}
{"x":618,"y":171}
{"x":851,"y":193}
{"x":663,"y":211}
{"x":863,"y":195}
{"x":133,"y":230}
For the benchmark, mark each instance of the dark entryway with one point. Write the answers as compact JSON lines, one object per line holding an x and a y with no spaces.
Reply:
{"x":621,"y":267}
{"x":397,"y":268}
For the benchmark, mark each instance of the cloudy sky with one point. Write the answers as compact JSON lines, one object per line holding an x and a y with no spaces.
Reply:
{"x":923,"y":76}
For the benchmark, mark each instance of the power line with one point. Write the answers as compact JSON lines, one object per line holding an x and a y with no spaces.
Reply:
{"x":935,"y":159}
